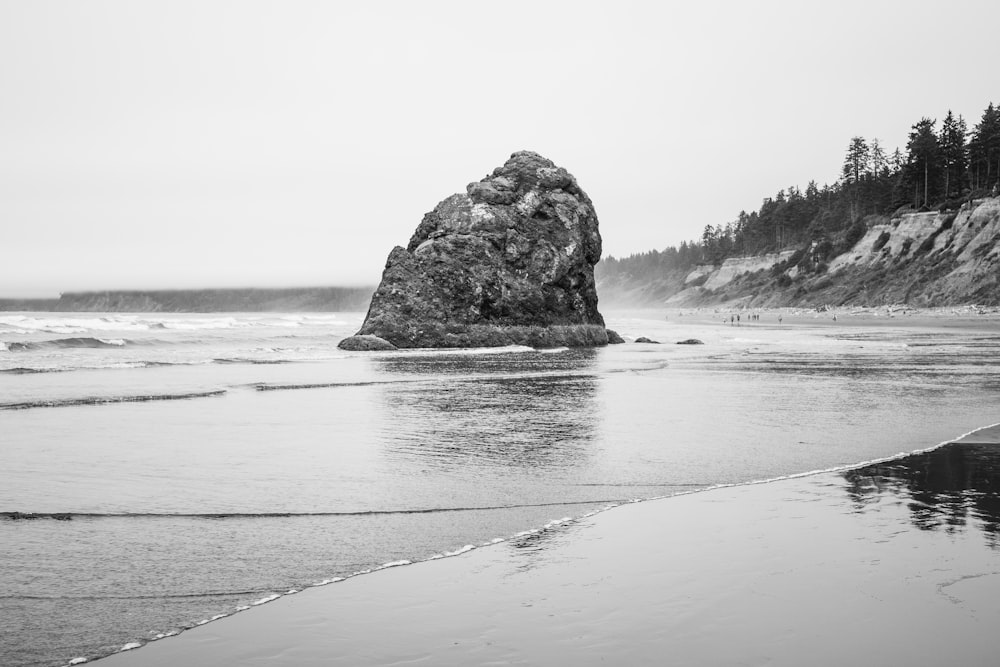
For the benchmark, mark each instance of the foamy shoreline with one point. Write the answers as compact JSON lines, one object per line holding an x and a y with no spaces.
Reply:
{"x":786,"y":572}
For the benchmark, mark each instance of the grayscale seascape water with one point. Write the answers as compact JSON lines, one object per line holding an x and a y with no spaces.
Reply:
{"x":184,"y":467}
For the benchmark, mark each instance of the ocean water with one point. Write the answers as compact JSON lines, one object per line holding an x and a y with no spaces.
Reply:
{"x":162,"y":470}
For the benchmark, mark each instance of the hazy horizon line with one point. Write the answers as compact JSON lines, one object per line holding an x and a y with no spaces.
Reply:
{"x":50,"y":297}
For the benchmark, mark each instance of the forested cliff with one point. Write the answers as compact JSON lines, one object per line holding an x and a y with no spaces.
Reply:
{"x":916,"y":227}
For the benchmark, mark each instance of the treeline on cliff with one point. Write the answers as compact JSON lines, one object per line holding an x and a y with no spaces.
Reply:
{"x":292,"y":299}
{"x":943,"y":165}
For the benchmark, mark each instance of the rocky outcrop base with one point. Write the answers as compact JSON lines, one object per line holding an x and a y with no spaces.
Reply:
{"x":485,"y":335}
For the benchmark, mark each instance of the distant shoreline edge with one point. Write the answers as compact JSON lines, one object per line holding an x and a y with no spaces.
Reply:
{"x":288,"y":299}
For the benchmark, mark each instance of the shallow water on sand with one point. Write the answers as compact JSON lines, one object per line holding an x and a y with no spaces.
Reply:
{"x":284,"y":462}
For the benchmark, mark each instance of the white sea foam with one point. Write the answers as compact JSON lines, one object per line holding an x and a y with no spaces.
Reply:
{"x":112,"y":341}
{"x":467,"y":547}
{"x":280,"y":322}
{"x":319,"y":319}
{"x":203,"y":323}
{"x":269,"y":598}
{"x":70,"y":325}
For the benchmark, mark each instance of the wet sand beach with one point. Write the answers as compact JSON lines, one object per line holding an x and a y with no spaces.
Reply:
{"x":890,"y":563}
{"x":986,"y":318}
{"x":967,"y":318}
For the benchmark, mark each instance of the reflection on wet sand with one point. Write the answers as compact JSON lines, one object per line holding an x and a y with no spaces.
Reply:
{"x":912,"y":358}
{"x":530,"y":410}
{"x":949,"y":488}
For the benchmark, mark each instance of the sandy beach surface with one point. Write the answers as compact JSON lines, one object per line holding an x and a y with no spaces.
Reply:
{"x":788,"y":572}
{"x":947,"y":317}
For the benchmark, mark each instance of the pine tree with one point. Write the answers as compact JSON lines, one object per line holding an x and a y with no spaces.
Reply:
{"x":856,"y":160}
{"x":877,"y":158}
{"x":855,"y":166}
{"x":953,"y":153}
{"x":984,"y":149}
{"x":923,"y":160}
{"x":812,"y":191}
{"x":897,"y":161}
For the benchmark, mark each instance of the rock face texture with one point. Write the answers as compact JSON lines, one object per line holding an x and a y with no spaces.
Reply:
{"x":509,"y":262}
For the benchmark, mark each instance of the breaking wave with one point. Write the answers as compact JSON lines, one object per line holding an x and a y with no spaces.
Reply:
{"x":79,"y":325}
{"x":104,"y":400}
{"x":20,"y":370}
{"x":64,"y":343}
{"x":69,"y":516}
{"x":247,"y":360}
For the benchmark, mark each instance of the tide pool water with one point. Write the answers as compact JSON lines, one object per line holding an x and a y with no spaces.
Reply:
{"x":184,"y":467}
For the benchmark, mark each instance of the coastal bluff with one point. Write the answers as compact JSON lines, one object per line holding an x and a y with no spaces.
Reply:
{"x":508,"y":262}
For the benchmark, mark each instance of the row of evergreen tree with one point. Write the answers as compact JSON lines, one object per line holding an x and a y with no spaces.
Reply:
{"x":941,"y":168}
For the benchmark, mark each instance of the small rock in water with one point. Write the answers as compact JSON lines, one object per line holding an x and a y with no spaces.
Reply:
{"x":365,"y":343}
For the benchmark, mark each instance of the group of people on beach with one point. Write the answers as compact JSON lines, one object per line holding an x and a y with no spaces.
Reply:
{"x":734,"y":320}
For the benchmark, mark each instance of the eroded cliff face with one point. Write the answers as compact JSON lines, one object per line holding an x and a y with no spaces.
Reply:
{"x":735,"y":266}
{"x":510,"y":261}
{"x":921,"y":259}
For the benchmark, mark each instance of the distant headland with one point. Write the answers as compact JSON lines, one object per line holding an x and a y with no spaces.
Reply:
{"x":289,"y":299}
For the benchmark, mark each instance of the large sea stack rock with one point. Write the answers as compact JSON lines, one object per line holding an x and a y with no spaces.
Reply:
{"x":509,"y":262}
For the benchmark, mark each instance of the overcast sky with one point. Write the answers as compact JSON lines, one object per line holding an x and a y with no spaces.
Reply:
{"x":214,"y":144}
